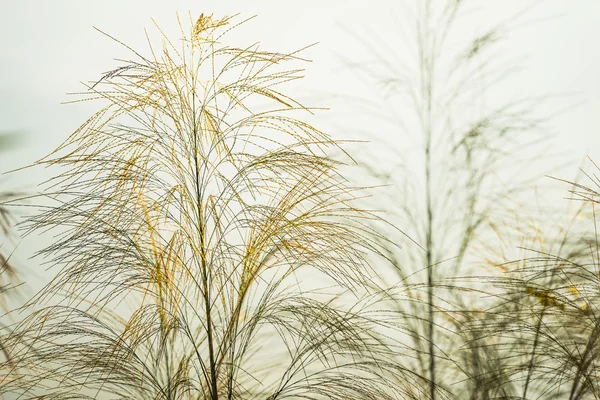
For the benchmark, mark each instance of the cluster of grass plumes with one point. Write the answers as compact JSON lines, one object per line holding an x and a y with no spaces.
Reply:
{"x":543,"y":321}
{"x":455,"y":188}
{"x":195,"y":219}
{"x":207,"y":245}
{"x":482,"y":321}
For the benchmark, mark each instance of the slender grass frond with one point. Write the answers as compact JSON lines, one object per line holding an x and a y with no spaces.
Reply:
{"x":455,"y":182}
{"x":196,"y":218}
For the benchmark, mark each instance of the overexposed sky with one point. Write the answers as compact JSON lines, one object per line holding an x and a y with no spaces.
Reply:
{"x":48,"y":47}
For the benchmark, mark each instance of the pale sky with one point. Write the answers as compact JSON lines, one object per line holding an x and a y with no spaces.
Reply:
{"x":48,"y":47}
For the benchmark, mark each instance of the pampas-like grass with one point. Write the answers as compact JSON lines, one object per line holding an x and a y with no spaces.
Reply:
{"x":196,"y":217}
{"x":207,"y":245}
{"x":456,"y":186}
{"x":544,"y":321}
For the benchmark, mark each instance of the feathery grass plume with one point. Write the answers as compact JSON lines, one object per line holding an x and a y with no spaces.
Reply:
{"x":196,"y":220}
{"x":545,"y":319}
{"x":456,"y":181}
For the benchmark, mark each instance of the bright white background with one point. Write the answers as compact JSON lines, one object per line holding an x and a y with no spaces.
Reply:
{"x":48,"y":47}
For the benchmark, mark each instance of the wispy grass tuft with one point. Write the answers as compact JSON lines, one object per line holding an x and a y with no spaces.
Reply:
{"x":454,"y":157}
{"x":207,"y":245}
{"x":544,"y":320}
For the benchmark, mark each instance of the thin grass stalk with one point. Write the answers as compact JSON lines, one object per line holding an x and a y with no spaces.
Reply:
{"x":207,"y":245}
{"x":448,"y":196}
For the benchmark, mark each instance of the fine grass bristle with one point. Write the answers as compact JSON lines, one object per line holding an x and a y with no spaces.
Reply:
{"x":197,"y":218}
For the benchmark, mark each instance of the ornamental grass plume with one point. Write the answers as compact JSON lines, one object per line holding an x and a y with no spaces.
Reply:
{"x":482,"y":323}
{"x":544,"y":320}
{"x":197,"y":219}
{"x":456,"y":181}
